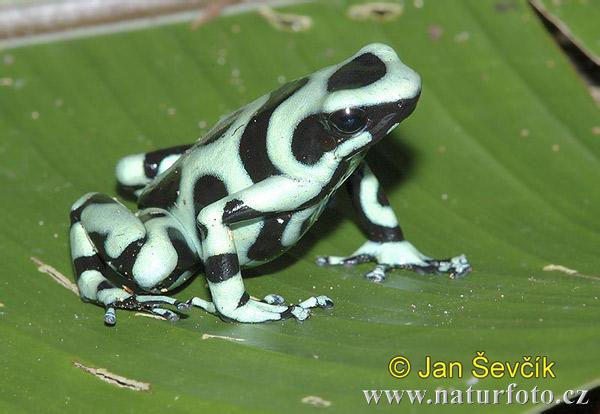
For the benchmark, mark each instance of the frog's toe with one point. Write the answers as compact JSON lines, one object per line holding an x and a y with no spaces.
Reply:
{"x":274,"y":299}
{"x":273,"y":308}
{"x":110,"y":317}
{"x":202,"y":304}
{"x":458,"y":267}
{"x":455,"y":267}
{"x":377,"y":275}
{"x":301,"y":314}
{"x":324,"y":260}
{"x":302,"y":311}
{"x":183,"y":306}
{"x":344,"y":261}
{"x":148,"y":302}
{"x":165,"y":313}
{"x":322,"y":301}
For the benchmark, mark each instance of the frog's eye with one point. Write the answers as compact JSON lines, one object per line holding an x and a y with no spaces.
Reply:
{"x":349,"y":120}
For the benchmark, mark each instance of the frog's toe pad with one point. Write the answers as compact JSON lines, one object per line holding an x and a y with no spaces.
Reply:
{"x":165,"y":313}
{"x":377,"y":275}
{"x":317,"y":302}
{"x":183,"y":306}
{"x":110,"y":318}
{"x":301,"y":314}
{"x":456,"y":267}
{"x":459,"y":266}
{"x":274,"y":299}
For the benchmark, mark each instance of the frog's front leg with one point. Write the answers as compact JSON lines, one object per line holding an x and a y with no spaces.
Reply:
{"x":221,"y":264}
{"x":386,"y":245}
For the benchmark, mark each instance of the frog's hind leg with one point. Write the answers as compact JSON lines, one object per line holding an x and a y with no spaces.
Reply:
{"x":136,"y":171}
{"x":94,"y":287}
{"x":107,"y":240}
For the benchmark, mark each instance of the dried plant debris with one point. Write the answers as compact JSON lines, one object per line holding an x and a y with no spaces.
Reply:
{"x":115,"y":379}
{"x":229,"y":338}
{"x":565,"y":30}
{"x":211,"y":12}
{"x":316,"y":401}
{"x":567,"y":271}
{"x":55,"y":274}
{"x":378,"y":11}
{"x":582,"y":57}
{"x":284,"y":21}
{"x":151,"y":315}
{"x":29,"y":18}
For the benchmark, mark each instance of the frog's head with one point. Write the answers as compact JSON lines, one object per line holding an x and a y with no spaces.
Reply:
{"x":368,"y":95}
{"x":343,"y":109}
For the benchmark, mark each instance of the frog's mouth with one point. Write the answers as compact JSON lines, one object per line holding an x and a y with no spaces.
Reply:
{"x":384,"y":118}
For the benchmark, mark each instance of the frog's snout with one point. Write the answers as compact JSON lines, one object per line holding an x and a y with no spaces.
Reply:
{"x":407,"y":107}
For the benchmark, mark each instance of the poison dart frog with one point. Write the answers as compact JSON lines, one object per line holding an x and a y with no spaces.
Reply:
{"x":247,"y":191}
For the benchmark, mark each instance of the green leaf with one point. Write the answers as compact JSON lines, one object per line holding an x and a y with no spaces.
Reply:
{"x":500,"y":161}
{"x":576,"y":19}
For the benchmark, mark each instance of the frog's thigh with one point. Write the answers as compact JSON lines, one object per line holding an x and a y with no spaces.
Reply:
{"x":151,"y":251}
{"x":168,"y":257}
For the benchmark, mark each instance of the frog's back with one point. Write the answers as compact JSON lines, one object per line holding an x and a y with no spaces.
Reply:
{"x":165,"y":190}
{"x":233,"y":155}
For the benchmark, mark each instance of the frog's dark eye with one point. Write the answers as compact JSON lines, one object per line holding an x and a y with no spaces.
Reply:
{"x":349,"y":120}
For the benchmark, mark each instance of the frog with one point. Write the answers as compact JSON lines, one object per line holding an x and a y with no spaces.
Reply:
{"x":249,"y":190}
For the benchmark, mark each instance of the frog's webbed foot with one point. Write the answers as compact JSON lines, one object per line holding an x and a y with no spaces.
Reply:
{"x":398,"y":255}
{"x":271,"y":308}
{"x":274,"y":299}
{"x":313,"y":302}
{"x":455,"y":267}
{"x":146,"y":303}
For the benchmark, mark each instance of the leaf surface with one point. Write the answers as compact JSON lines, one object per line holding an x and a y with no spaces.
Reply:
{"x":500,"y":161}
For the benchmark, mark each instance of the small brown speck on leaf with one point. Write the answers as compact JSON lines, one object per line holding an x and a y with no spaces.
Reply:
{"x":435,"y":31}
